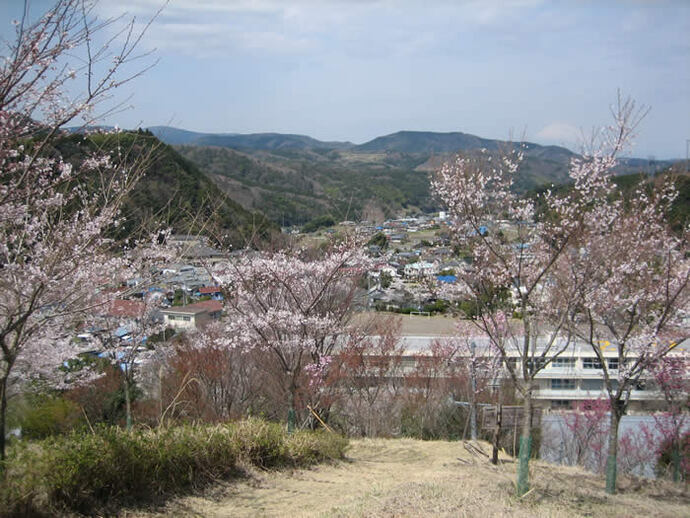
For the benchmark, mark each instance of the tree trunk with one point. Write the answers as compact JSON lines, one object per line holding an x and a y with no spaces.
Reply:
{"x":675,"y":459}
{"x":128,"y":405}
{"x":497,"y":434}
{"x":3,"y":414}
{"x":525,"y":443}
{"x":473,"y":396}
{"x":291,"y":411}
{"x":612,"y":459}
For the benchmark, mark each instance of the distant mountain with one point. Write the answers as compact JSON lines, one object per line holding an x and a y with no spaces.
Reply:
{"x":267,"y":141}
{"x":295,"y":178}
{"x":426,"y":142}
{"x":176,"y":136}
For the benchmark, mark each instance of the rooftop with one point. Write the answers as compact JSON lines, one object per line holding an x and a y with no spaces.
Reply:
{"x":210,"y":306}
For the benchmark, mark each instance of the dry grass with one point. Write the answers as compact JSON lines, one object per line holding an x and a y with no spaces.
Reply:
{"x":405,"y":477}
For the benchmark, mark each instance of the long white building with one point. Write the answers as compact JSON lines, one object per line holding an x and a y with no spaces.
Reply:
{"x":575,"y":375}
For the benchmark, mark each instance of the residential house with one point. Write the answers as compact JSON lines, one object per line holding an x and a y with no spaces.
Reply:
{"x":210,"y":291}
{"x":192,"y":316}
{"x":420,"y":269}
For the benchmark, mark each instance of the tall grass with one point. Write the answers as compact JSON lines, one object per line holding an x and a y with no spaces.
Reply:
{"x":88,"y":472}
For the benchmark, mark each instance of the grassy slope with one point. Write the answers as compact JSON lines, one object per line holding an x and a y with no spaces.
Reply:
{"x":405,"y":477}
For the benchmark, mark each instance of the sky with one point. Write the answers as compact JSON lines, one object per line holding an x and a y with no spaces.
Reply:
{"x":354,"y":70}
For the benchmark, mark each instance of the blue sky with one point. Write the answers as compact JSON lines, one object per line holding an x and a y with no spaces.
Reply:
{"x":354,"y":70}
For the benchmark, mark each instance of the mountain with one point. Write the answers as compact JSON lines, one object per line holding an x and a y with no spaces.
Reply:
{"x":175,"y":136}
{"x":268,"y":141}
{"x":426,"y":142}
{"x":173,"y":192}
{"x":294,"y":178}
{"x":294,"y":186}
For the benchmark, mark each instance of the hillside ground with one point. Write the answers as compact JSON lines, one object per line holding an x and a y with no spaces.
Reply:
{"x":405,"y":477}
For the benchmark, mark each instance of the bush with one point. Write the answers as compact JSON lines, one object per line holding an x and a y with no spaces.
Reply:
{"x":261,"y":443}
{"x":89,"y":472}
{"x":305,"y":448}
{"x":664,"y":464}
{"x":443,"y":423}
{"x":317,"y":223}
{"x":44,"y":416}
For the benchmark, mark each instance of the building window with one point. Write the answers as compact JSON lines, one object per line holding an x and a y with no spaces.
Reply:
{"x":563,"y":384}
{"x":536,"y":364}
{"x":563,"y":363}
{"x":513,"y":362}
{"x":591,"y":363}
{"x":595,"y":385}
{"x":561,"y":404}
{"x":613,"y":364}
{"x":186,"y":319}
{"x":171,"y":317}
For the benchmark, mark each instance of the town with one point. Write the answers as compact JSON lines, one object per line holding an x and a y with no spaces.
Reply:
{"x":227,"y":316}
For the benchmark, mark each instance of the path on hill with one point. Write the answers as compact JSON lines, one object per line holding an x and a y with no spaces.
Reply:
{"x":405,"y":477}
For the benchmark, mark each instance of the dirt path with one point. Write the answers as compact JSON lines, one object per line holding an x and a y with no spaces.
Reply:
{"x":413,"y":478}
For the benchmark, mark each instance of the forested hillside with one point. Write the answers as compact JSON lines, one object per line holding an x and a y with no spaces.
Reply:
{"x":293,"y":179}
{"x":173,"y":192}
{"x":295,"y":186}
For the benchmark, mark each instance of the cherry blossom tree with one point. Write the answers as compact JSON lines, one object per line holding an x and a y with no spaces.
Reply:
{"x":546,"y":237}
{"x":632,"y":273}
{"x":293,"y":306}
{"x":477,"y":191}
{"x":580,"y":436}
{"x":475,"y":366}
{"x":54,"y":216}
{"x":123,"y":339}
{"x":365,"y":378}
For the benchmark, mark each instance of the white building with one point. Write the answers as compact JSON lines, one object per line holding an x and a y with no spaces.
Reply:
{"x":192,"y":316}
{"x":575,"y":375}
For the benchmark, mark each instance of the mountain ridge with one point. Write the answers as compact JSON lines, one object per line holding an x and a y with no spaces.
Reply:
{"x":403,"y":141}
{"x":293,"y":179}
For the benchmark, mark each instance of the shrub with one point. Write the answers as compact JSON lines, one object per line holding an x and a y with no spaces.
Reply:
{"x":44,"y":416}
{"x":664,"y":464}
{"x":306,"y":448}
{"x":91,"y":472}
{"x":261,"y":443}
{"x":443,"y":423}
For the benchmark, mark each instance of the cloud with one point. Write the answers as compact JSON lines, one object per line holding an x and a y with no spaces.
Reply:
{"x":560,"y":132}
{"x":348,"y":27}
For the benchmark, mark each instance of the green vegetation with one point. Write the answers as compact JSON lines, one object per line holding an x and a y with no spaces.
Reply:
{"x":293,"y":179}
{"x":173,"y":192}
{"x":95,"y":473}
{"x":679,"y":214}
{"x":45,"y":415}
{"x":665,"y":463}
{"x":379,"y":239}
{"x":318,"y":223}
{"x":446,"y":423}
{"x":293,"y":187}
